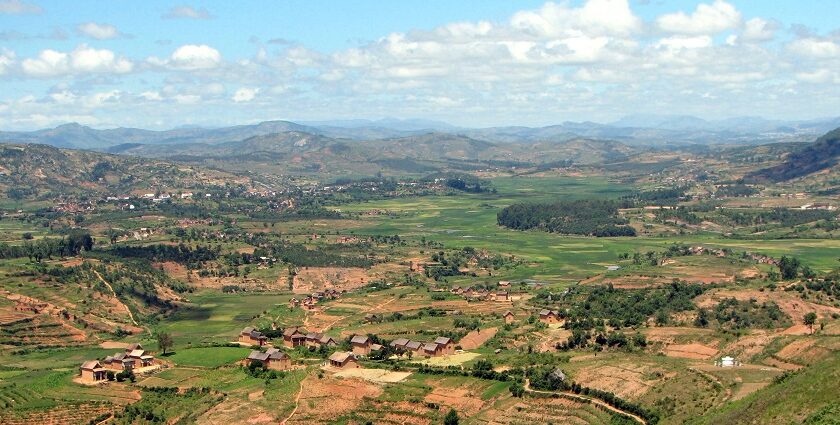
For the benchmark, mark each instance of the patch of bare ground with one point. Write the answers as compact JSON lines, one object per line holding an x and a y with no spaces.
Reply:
{"x":636,"y":281}
{"x":542,"y":410}
{"x":460,"y":399}
{"x":235,"y":410}
{"x":627,"y":381}
{"x":323,"y":400}
{"x":781,"y":364}
{"x":748,"y":388}
{"x":751,"y":344}
{"x":477,"y":338}
{"x":808,"y":350}
{"x":312,"y":279}
{"x":690,"y":351}
{"x":549,"y":337}
{"x":789,"y":302}
{"x":109,"y":345}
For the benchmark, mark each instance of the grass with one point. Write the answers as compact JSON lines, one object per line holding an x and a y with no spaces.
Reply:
{"x":209,"y":357}
{"x":470,"y":220}
{"x":218,"y":317}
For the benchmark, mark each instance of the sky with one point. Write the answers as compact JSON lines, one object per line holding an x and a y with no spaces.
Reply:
{"x":157,"y":64}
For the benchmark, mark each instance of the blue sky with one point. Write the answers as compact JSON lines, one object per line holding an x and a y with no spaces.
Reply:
{"x":160,"y":64}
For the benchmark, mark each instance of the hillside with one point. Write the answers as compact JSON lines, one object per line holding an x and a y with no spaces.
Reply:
{"x":791,"y":401}
{"x":820,"y":155}
{"x":28,"y":171}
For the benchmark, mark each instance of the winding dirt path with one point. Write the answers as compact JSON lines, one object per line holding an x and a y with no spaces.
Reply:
{"x":297,"y":403}
{"x":592,"y":400}
{"x":114,"y":293}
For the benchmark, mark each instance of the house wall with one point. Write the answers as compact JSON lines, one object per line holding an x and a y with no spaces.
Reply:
{"x":361,"y":350}
{"x":285,"y":364}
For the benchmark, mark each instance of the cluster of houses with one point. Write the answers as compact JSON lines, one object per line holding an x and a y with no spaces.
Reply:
{"x":482,"y":294}
{"x":441,"y":346}
{"x":311,"y":300}
{"x":134,"y":357}
{"x":251,"y":336}
{"x":299,"y":337}
{"x":272,"y":358}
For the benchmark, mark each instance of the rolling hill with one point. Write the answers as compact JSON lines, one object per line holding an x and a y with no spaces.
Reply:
{"x":38,"y":171}
{"x":820,"y":155}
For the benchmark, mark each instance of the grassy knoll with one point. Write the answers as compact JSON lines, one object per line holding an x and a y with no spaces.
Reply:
{"x":208,"y":356}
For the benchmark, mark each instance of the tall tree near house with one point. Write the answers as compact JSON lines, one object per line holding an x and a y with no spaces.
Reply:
{"x":809,"y":320}
{"x":451,"y":418}
{"x":164,"y":340}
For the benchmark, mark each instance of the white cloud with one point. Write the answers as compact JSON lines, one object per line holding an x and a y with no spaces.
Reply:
{"x":186,"y":12}
{"x":245,"y":94}
{"x":681,"y":42}
{"x":706,"y":19}
{"x":84,"y":59}
{"x":192,"y":57}
{"x":757,"y":29}
{"x":98,"y":31}
{"x":17,"y":7}
{"x":7,"y":60}
{"x":815,"y":48}
{"x":151,"y":96}
{"x":594,"y":17}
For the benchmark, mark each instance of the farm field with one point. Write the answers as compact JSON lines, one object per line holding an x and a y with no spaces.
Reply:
{"x":661,"y":364}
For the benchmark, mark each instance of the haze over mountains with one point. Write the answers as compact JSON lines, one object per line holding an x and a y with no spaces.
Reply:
{"x":634,"y":130}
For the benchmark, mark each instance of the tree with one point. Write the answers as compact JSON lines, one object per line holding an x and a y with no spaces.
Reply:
{"x":451,"y":418}
{"x":164,"y":340}
{"x":809,"y":320}
{"x":789,"y":267}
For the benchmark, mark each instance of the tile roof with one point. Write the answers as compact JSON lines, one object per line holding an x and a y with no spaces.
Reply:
{"x":342,"y":357}
{"x":359,"y":339}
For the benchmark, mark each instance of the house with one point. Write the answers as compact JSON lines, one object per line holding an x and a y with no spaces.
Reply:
{"x":413,"y":346}
{"x":344,"y":360}
{"x":317,"y":340}
{"x":509,"y":317}
{"x":293,"y":337}
{"x":119,"y":362}
{"x":273,"y":359}
{"x":549,"y":316}
{"x":361,"y":345}
{"x":252,"y":336}
{"x":140,"y":358}
{"x":132,"y":347}
{"x":501,"y":296}
{"x":504,"y":284}
{"x":430,"y":349}
{"x":92,"y":371}
{"x":399,"y":344}
{"x":446,"y":345}
{"x":294,"y":302}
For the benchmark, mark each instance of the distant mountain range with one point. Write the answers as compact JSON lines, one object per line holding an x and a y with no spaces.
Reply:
{"x":641,"y":130}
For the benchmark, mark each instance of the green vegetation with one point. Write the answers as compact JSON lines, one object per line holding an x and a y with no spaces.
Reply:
{"x":591,"y":218}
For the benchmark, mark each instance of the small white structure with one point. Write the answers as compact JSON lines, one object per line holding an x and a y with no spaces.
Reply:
{"x":727,"y":362}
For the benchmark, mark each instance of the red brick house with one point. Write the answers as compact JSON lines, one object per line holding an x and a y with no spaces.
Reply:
{"x":344,"y":360}
{"x":252,"y":336}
